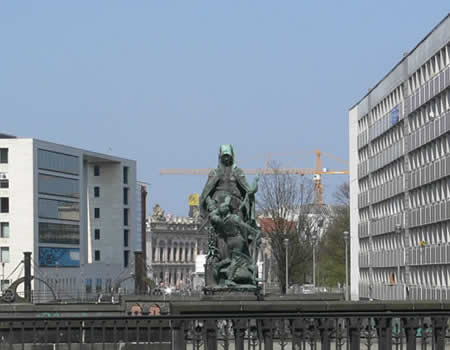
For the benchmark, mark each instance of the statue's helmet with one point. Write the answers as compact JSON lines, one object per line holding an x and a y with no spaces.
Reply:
{"x":226,"y":150}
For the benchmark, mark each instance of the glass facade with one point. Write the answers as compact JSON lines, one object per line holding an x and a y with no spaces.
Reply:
{"x":59,"y":233}
{"x":58,"y":186}
{"x":63,"y":210}
{"x":58,"y":162}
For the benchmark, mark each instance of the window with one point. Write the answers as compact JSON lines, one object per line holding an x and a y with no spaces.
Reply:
{"x":58,"y":186}
{"x":126,"y":258}
{"x":4,"y":205}
{"x":97,"y":213}
{"x":125,"y":216}
{"x":125,"y":175}
{"x":125,"y":238}
{"x":97,"y":255}
{"x":125,"y":196}
{"x":96,"y":170}
{"x":59,"y":233}
{"x":96,"y":191}
{"x":88,"y":285}
{"x":4,"y":183}
{"x":4,"y":254}
{"x":3,"y":155}
{"x":98,"y":285}
{"x":168,"y":254}
{"x":4,"y":229}
{"x":60,"y":162}
{"x":54,"y":209}
{"x":4,"y":285}
{"x":97,"y":234}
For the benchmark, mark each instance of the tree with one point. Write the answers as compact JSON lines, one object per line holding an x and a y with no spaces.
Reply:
{"x":284,"y":202}
{"x":332,"y":247}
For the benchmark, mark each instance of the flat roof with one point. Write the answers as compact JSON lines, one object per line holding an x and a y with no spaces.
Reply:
{"x":404,"y":58}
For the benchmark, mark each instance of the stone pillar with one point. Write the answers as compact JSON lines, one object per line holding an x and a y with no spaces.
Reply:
{"x":188,"y":252}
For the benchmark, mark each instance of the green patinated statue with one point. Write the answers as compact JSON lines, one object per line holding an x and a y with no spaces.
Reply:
{"x":228,"y":203}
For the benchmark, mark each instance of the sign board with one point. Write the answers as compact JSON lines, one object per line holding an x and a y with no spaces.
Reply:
{"x":193,"y":199}
{"x":200,"y":261}
{"x":395,"y":115}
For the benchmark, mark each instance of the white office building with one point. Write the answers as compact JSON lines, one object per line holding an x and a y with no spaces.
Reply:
{"x":74,"y":210}
{"x":400,"y":178}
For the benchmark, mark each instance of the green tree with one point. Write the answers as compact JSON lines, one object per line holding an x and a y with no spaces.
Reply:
{"x":332,"y":245}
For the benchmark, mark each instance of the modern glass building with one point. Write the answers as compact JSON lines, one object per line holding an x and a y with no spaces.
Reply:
{"x":74,"y":210}
{"x":400,"y":178}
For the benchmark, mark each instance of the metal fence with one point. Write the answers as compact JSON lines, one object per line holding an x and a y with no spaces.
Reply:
{"x":325,"y":330}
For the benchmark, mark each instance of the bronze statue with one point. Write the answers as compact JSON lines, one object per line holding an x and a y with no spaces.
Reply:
{"x":228,"y":203}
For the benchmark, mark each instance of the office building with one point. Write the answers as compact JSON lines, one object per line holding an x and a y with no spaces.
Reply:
{"x":400,"y":178}
{"x":74,"y":210}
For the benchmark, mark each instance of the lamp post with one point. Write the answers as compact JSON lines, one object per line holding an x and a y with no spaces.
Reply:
{"x":346,"y":240}
{"x":286,"y":244}
{"x":314,"y":242}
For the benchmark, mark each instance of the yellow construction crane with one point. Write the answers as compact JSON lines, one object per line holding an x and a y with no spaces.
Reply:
{"x":317,"y":172}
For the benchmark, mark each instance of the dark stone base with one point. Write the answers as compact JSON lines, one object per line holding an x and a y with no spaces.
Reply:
{"x":239,"y":292}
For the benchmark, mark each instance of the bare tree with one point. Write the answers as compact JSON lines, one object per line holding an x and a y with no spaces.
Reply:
{"x":284,"y":202}
{"x":342,"y":194}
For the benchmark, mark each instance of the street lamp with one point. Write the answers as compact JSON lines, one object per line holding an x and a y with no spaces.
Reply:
{"x":314,"y":242}
{"x":346,"y":239}
{"x":286,"y":244}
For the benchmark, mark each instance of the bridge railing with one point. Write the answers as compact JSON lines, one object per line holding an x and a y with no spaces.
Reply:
{"x":246,"y":325}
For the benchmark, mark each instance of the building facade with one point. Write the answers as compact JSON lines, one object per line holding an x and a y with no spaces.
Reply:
{"x":73,"y":209}
{"x":177,"y":243}
{"x":400,"y":178}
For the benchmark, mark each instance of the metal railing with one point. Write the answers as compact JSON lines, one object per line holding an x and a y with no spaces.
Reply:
{"x":346,"y":329}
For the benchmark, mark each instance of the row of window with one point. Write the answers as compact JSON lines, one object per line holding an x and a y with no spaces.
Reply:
{"x":126,"y":257}
{"x":386,"y":105}
{"x":386,"y":140}
{"x":429,"y":152}
{"x":432,"y":234}
{"x":126,"y":234}
{"x":125,"y":194}
{"x":389,"y":207}
{"x":430,"y":193}
{"x":172,"y":277}
{"x":125,"y":173}
{"x":429,"y":112}
{"x":439,"y":276}
{"x":429,"y":69}
{"x":98,"y":285}
{"x":388,"y":173}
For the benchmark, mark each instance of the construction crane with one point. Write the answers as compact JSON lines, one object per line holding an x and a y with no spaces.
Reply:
{"x":317,"y":172}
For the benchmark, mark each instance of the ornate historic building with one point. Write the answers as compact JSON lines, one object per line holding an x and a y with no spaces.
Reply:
{"x":176,"y":244}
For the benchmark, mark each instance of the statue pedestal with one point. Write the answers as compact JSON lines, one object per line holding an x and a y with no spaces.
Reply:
{"x":239,"y":292}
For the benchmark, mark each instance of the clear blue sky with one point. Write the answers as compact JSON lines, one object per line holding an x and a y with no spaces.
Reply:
{"x":166,"y":82}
